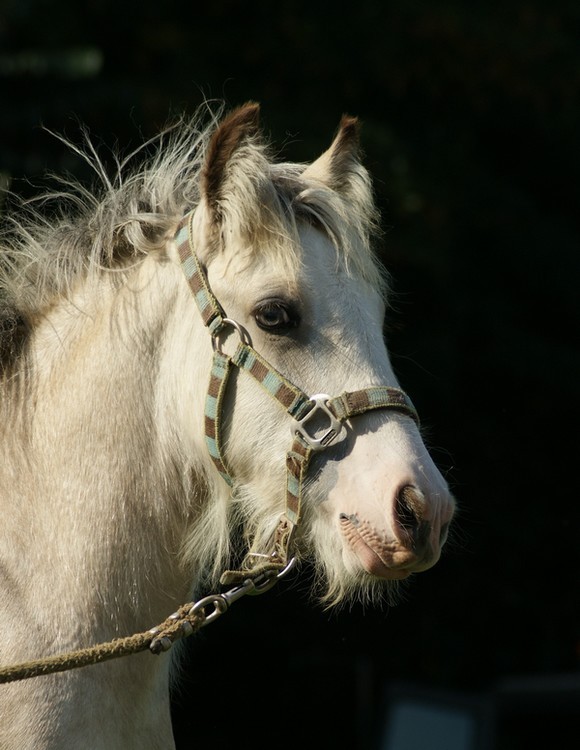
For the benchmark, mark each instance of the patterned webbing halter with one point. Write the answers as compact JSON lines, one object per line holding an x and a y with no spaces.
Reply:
{"x":308,"y":412}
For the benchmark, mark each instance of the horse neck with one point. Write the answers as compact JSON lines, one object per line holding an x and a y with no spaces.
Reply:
{"x":98,"y":504}
{"x":98,"y":492}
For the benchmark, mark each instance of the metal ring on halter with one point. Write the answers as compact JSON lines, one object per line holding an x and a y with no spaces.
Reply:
{"x":240,"y":330}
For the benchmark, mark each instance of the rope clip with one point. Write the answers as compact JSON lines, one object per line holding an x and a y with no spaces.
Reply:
{"x":253,"y":586}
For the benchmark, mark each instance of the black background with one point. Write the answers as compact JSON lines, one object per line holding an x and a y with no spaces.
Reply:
{"x":470,"y":118}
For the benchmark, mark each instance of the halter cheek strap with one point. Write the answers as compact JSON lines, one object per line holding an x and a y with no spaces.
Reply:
{"x":317,"y":421}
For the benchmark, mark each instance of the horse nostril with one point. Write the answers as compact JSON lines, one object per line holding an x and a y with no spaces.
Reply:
{"x":409,"y":515}
{"x":409,"y":507}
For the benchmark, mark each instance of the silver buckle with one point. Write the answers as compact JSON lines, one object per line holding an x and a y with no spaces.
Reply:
{"x":319,"y":428}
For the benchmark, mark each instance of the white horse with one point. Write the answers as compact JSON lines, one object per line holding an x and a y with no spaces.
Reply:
{"x":125,"y":486}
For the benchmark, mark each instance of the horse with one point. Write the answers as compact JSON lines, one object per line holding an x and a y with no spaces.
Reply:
{"x":193,"y":372}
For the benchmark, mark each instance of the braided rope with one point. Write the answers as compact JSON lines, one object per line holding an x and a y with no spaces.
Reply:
{"x":182,"y":623}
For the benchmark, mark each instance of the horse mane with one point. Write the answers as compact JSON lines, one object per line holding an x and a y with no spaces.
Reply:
{"x":50,"y":244}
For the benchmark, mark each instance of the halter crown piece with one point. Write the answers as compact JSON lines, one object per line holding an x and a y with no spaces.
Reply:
{"x":317,"y":421}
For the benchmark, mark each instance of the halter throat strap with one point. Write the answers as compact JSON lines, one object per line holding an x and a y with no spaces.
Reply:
{"x":317,"y":421}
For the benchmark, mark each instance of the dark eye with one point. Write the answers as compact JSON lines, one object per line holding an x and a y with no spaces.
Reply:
{"x":276,"y":316}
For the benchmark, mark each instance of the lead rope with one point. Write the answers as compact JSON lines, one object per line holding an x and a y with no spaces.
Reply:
{"x":188,"y":619}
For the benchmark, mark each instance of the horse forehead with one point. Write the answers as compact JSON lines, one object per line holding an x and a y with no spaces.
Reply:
{"x":309,"y":268}
{"x":279,"y":266}
{"x":320,"y":257}
{"x":324,"y":271}
{"x":253,"y":274}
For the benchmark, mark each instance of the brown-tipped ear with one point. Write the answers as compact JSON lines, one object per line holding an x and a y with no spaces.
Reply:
{"x":231,"y":133}
{"x":335,"y":166}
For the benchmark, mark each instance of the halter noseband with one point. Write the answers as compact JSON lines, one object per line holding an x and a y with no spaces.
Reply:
{"x":308,"y":412}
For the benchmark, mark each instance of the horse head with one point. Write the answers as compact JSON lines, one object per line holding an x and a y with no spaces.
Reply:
{"x":284,"y":255}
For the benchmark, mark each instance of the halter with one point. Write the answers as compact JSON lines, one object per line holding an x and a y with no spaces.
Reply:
{"x":317,"y":421}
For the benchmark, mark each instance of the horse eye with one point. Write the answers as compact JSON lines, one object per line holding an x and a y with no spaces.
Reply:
{"x":275,"y":316}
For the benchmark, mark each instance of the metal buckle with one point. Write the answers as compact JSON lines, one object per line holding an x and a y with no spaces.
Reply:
{"x":319,"y":428}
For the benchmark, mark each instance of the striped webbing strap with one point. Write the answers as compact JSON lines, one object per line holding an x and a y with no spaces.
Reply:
{"x":210,"y":309}
{"x":297,"y":404}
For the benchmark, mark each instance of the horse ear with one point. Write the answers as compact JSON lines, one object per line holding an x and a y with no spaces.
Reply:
{"x":336,"y":166}
{"x":241,"y":125}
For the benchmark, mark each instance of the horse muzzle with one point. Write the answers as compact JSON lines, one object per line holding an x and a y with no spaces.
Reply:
{"x":411,"y":543}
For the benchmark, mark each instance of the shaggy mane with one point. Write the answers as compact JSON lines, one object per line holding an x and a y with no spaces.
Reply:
{"x":50,"y":244}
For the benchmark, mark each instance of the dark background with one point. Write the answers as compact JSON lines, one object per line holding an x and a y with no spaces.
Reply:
{"x":470,"y":116}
